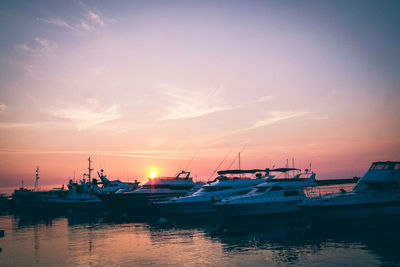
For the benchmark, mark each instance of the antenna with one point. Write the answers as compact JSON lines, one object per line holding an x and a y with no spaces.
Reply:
{"x":37,"y":179}
{"x":234,"y":160}
{"x":187,"y":166}
{"x":219,"y":165}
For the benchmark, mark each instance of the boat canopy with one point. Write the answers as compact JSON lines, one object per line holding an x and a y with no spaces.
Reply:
{"x":284,"y":169}
{"x":242,"y":171}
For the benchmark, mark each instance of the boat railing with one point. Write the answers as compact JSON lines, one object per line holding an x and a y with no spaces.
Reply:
{"x":316,"y":192}
{"x":267,"y":198}
{"x":339,"y":193}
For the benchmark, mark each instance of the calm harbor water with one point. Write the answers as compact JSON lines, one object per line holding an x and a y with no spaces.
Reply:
{"x":99,"y":240}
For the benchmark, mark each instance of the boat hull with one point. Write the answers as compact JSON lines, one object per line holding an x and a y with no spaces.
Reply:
{"x":257,"y":209}
{"x":186,"y":208}
{"x":134,"y":203}
{"x":55,"y":205}
{"x":351,"y":211}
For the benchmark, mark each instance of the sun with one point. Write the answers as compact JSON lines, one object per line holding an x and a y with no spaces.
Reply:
{"x":153,"y":174}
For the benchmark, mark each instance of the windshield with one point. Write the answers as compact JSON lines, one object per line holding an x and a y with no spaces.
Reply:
{"x":379,"y":166}
{"x":261,"y":189}
{"x":215,"y":188}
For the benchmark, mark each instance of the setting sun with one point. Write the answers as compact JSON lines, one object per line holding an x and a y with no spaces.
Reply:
{"x":153,"y":173}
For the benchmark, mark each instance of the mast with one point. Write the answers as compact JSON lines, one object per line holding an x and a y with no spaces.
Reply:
{"x":287,"y":166}
{"x":239,"y":164}
{"x":293,"y":167}
{"x":36,"y":179}
{"x":90,"y":170}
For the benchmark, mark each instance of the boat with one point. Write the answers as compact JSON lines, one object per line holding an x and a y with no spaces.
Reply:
{"x":377,"y":193}
{"x":5,"y":202}
{"x":110,"y":187}
{"x":228,"y":183}
{"x":73,"y":199}
{"x":26,"y":198}
{"x":155,"y":189}
{"x":78,"y":196}
{"x":57,"y":199}
{"x":104,"y":186}
{"x":272,"y":197}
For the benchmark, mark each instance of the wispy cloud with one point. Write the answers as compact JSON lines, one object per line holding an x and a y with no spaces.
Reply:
{"x":86,"y":26}
{"x":104,"y":153}
{"x":182,"y":103}
{"x":316,"y":118}
{"x":92,"y":21}
{"x":41,"y":47}
{"x":2,"y":107}
{"x":57,"y":22}
{"x":263,"y":99}
{"x":98,"y":71}
{"x":332,"y":93}
{"x":89,"y":115}
{"x":191,"y":103}
{"x":89,"y":21}
{"x":275,"y":117}
{"x":10,"y":125}
{"x":96,"y":18}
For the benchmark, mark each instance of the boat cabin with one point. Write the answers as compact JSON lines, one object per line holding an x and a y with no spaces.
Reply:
{"x":382,"y":175}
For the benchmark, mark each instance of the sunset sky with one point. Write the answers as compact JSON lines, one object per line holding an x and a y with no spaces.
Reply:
{"x":156,"y":84}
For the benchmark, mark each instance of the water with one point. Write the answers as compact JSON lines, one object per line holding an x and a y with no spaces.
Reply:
{"x":98,"y":240}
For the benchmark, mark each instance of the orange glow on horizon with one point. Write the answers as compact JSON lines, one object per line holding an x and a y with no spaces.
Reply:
{"x":153,"y":172}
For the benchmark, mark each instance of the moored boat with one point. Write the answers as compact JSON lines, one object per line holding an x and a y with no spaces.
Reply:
{"x":377,"y":193}
{"x":155,"y":189}
{"x":275,"y":196}
{"x":228,"y":183}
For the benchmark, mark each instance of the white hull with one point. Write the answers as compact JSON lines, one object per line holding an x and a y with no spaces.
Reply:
{"x":351,"y":212}
{"x":257,"y":209}
{"x":186,"y":208}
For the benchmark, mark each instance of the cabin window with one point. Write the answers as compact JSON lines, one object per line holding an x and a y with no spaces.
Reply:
{"x":396,"y":166}
{"x":215,"y":188}
{"x":290,"y":193}
{"x":180,"y":187}
{"x":380,"y":166}
{"x":261,"y":189}
{"x":149,"y":186}
{"x":276,"y":188}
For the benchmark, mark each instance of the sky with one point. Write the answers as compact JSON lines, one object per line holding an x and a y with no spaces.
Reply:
{"x":171,"y":85}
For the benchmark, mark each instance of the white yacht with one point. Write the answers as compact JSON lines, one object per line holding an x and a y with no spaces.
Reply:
{"x":228,"y":183}
{"x":156,"y":189}
{"x":110,"y":187}
{"x":104,"y":186}
{"x":376,"y":193}
{"x":275,"y":196}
